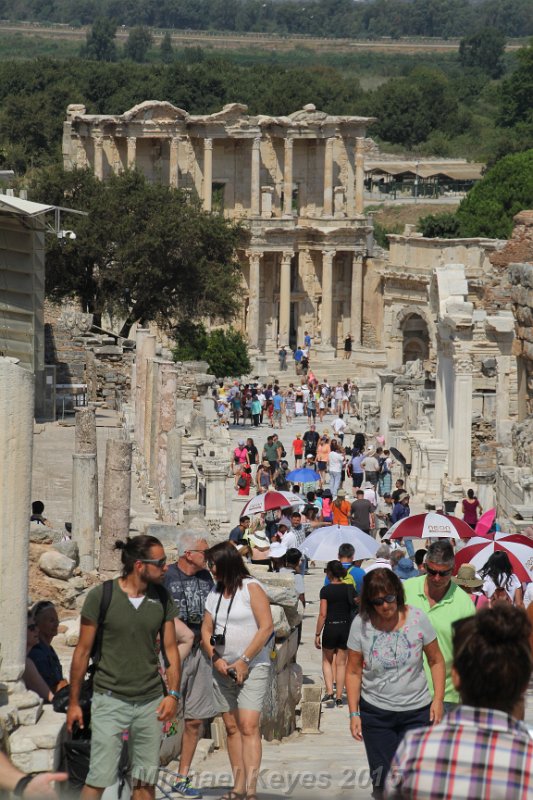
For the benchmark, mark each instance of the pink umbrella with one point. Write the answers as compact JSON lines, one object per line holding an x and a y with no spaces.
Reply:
{"x":484,"y":523}
{"x":518,"y":548}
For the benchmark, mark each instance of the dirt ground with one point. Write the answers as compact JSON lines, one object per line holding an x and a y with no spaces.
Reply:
{"x":399,"y":215}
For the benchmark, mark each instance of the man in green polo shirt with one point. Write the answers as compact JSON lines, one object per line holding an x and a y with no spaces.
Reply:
{"x":270,"y":453}
{"x":128,"y":692}
{"x":444,"y":602}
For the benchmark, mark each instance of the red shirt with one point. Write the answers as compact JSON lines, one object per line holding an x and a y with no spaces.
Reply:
{"x":298,"y":446}
{"x":245,"y":489}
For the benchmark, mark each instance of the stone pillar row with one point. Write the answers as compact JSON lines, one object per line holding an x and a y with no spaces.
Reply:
{"x":354,"y":198}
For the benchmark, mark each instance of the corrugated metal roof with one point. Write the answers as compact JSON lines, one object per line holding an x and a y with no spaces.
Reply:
{"x":24,"y":207}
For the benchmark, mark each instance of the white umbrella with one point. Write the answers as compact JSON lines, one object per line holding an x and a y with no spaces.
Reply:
{"x":323,"y":544}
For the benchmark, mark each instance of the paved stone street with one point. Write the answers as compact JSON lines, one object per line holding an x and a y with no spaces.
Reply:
{"x":328,"y":763}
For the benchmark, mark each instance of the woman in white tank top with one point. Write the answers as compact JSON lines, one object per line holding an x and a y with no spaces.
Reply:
{"x":236,"y":632}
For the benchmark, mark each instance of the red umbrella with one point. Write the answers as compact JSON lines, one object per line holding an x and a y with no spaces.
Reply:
{"x":430,"y":526}
{"x":518,"y":548}
{"x":484,"y":523}
{"x":269,"y":501}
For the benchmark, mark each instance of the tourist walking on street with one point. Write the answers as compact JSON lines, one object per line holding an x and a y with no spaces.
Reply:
{"x":498,"y":574}
{"x":263,"y":477}
{"x":370,"y":465}
{"x":362,"y":513}
{"x":481,"y":749}
{"x":335,"y":467}
{"x":189,"y":583}
{"x":239,"y":459}
{"x":128,"y":693}
{"x":297,"y":450}
{"x":337,"y":608}
{"x":401,"y":510}
{"x":322,"y":455}
{"x":348,"y":346}
{"x":386,"y":687}
{"x":311,"y":406}
{"x":256,"y":410}
{"x":471,"y":509}
{"x":282,"y":355}
{"x":236,"y":629}
{"x":341,"y":509}
{"x":443,"y":602}
{"x":311,"y":439}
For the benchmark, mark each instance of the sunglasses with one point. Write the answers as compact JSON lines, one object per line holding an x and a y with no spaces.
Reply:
{"x":32,"y":627}
{"x":389,"y":598}
{"x":158,"y":562}
{"x":443,"y":573}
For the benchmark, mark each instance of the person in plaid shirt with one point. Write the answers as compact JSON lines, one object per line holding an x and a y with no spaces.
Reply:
{"x":480,"y":749}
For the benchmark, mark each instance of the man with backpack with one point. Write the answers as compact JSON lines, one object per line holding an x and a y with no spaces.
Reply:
{"x":121,"y":620}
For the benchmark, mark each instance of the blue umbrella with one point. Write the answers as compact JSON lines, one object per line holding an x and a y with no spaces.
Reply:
{"x":303,"y":475}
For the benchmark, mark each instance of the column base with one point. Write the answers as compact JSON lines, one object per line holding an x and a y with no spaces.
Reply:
{"x":325,"y":351}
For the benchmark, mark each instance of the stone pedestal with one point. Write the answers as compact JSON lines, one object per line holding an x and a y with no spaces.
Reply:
{"x":84,"y":504}
{"x":460,"y":460}
{"x":215,"y":491}
{"x":174,"y":487}
{"x":266,"y":201}
{"x":16,"y":445}
{"x":116,"y":504}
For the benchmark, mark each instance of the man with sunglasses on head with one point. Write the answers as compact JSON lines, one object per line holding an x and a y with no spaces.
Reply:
{"x":189,"y":582}
{"x":128,"y":693}
{"x":444,"y":602}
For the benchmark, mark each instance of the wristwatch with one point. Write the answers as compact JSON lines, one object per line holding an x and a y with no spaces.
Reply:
{"x":176,"y":695}
{"x":244,"y":658}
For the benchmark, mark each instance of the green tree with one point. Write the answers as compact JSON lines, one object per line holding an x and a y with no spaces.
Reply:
{"x":517,"y":91}
{"x":138,"y":43}
{"x":227,"y":353}
{"x":145,"y":251}
{"x":100,"y":44}
{"x":166,"y":49}
{"x":506,"y":189}
{"x":483,"y":50}
{"x":440,"y":226}
{"x":191,"y":341}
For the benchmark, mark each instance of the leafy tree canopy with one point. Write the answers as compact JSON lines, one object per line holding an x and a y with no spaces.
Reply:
{"x":225,"y":351}
{"x":100,"y":44}
{"x":145,"y":251}
{"x":484,"y":50}
{"x":517,"y":91}
{"x":440,"y":226}
{"x":138,"y":44}
{"x":506,"y":189}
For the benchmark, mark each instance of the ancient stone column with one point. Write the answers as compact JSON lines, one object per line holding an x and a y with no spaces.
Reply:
{"x":85,"y":508}
{"x":132,"y":151}
{"x":443,"y":394}
{"x":350,"y":178}
{"x":327,"y":296}
{"x":215,"y":491}
{"x":266,"y":201}
{"x":208,"y":173}
{"x":146,"y":352}
{"x":174,"y":463}
{"x":116,"y":505}
{"x":151,"y":403}
{"x":174,"y":168}
{"x":460,"y":458}
{"x":256,"y":177}
{"x":16,"y":443}
{"x":328,"y":177}
{"x":285,"y":298}
{"x":99,"y":157}
{"x":359,"y":176}
{"x":287,"y":178}
{"x":253,"y":306}
{"x":385,"y":402}
{"x":356,"y":300}
{"x":81,"y":153}
{"x":168,"y":384}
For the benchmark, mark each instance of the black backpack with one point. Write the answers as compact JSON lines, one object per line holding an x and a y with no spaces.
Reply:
{"x":61,"y":698}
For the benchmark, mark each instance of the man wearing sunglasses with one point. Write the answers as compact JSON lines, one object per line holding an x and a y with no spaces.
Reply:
{"x":439,"y":598}
{"x":128,"y":693}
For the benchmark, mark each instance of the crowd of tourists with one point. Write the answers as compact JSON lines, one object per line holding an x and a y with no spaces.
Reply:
{"x":431,"y":662}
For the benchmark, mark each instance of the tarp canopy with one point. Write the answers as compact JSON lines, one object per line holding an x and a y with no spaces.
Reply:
{"x":458,"y":170}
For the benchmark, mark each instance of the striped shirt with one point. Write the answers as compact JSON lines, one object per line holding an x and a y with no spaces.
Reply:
{"x":473,"y":753}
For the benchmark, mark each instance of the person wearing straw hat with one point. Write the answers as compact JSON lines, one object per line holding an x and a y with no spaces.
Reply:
{"x":467,"y":579}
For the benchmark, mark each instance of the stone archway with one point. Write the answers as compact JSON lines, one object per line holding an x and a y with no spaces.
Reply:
{"x":414,"y":330}
{"x":415,"y":338}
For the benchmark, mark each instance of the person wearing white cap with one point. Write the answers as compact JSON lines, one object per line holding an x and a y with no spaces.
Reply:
{"x":259,"y":548}
{"x":277,"y":555}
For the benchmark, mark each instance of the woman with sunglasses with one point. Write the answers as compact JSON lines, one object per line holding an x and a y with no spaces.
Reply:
{"x":236,"y":628}
{"x":385,"y":681}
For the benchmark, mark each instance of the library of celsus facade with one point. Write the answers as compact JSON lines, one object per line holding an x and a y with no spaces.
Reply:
{"x":296,"y":182}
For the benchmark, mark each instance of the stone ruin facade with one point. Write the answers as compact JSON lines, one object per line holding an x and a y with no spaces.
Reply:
{"x":296,"y":182}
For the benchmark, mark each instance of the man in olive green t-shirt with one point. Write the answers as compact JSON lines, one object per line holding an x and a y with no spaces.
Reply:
{"x":444,"y":602}
{"x":128,"y":692}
